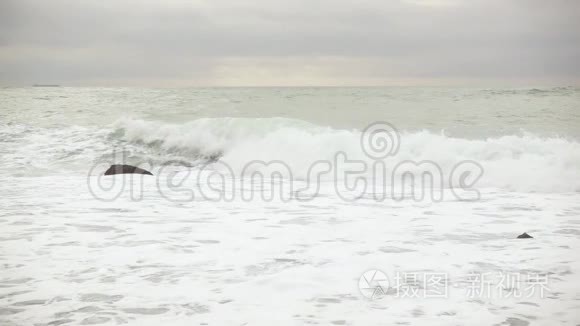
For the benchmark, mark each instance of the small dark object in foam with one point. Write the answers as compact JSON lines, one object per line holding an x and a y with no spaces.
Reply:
{"x":524,"y":236}
{"x":123,"y":169}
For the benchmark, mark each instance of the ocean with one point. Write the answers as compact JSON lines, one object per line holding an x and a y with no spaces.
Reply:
{"x":290,"y":206}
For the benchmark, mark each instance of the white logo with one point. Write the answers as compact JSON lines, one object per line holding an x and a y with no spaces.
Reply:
{"x":373,"y":284}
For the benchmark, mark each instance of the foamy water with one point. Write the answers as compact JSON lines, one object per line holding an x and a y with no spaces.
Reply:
{"x":167,"y":258}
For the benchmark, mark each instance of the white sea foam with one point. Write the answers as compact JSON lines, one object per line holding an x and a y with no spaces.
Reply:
{"x":68,"y":258}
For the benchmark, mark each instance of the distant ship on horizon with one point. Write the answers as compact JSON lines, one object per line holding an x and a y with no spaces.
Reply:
{"x":45,"y":85}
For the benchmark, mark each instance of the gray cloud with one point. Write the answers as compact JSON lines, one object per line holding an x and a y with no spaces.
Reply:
{"x":265,"y":42}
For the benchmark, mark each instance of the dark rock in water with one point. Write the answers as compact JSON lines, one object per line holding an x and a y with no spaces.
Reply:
{"x":524,"y":236}
{"x":122,"y":169}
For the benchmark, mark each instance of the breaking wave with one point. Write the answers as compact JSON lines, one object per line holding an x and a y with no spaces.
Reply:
{"x":523,"y":162}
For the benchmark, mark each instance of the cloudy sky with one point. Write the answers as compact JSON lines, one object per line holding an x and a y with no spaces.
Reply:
{"x":289,"y":42}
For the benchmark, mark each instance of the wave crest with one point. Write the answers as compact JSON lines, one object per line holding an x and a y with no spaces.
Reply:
{"x":517,"y":162}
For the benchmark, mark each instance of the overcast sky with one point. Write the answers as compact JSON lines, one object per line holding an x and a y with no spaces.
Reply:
{"x":289,"y":42}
